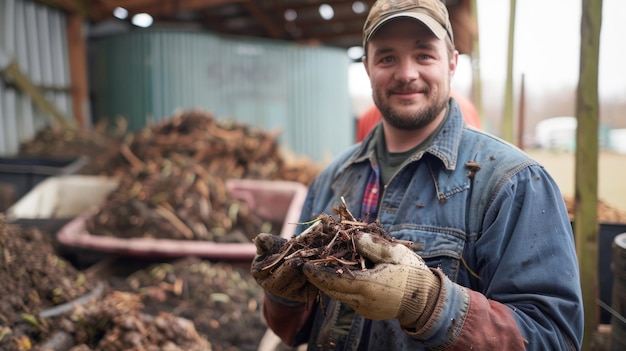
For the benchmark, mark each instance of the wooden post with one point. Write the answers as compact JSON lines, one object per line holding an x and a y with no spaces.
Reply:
{"x":521,"y":118}
{"x":586,"y":177}
{"x":78,"y":69}
{"x":477,"y":90}
{"x":506,"y":129}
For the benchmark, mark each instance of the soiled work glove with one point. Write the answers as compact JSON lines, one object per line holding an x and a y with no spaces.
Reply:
{"x":284,"y":279}
{"x":400,"y":285}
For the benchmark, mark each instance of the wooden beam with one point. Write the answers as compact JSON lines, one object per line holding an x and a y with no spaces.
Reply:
{"x":586,"y":168}
{"x":81,"y":7}
{"x":464,"y":26}
{"x":11,"y":73}
{"x":77,"y":52}
{"x":156,"y":8}
{"x":274,"y":28}
{"x":314,"y":5}
{"x":347,"y":19}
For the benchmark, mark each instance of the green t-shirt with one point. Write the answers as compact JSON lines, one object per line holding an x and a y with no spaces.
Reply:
{"x":391,"y":162}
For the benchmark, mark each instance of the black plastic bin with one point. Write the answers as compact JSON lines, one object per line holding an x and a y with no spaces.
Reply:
{"x":23,"y":173}
{"x":608,"y":233}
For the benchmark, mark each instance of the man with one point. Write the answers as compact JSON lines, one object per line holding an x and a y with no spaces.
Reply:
{"x":493,"y":264}
{"x":366,"y":122}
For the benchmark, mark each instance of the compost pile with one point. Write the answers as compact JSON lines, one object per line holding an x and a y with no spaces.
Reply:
{"x":33,"y":279}
{"x":176,"y":199}
{"x":100,"y":145}
{"x":172,"y":178}
{"x":175,"y":184}
{"x":224,"y":147}
{"x":116,"y":322}
{"x":190,"y":304}
{"x":222,"y":300}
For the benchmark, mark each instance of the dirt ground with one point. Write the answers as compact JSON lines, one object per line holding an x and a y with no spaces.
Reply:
{"x":183,"y":304}
{"x":611,"y":173}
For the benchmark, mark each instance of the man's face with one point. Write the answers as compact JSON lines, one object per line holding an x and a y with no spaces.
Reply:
{"x":410,"y":72}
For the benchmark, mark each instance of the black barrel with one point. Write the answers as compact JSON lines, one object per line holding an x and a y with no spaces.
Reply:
{"x":618,"y":321}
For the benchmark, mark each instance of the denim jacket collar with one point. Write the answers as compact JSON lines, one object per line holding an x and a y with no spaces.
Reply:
{"x":445,"y":145}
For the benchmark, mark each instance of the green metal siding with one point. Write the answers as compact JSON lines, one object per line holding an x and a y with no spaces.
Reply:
{"x":34,"y":37}
{"x":146,"y":76}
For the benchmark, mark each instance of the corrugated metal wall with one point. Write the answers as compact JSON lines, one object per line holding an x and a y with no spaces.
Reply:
{"x":146,"y":76}
{"x":33,"y":35}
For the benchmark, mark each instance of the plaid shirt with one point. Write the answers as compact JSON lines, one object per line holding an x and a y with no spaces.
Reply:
{"x":369,"y":206}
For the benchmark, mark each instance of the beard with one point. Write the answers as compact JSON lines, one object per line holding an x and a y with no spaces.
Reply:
{"x":416,"y":119}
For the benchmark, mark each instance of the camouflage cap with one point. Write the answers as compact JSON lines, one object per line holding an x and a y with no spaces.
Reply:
{"x":432,"y":13}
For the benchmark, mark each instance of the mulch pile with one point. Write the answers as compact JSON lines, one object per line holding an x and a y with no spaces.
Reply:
{"x":329,"y":240}
{"x":33,"y":279}
{"x":190,"y":304}
{"x":172,"y":176}
{"x":221,"y":299}
{"x":116,"y":322}
{"x":223,"y":147}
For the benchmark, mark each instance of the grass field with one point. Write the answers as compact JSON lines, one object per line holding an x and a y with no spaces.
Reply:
{"x":611,"y":174}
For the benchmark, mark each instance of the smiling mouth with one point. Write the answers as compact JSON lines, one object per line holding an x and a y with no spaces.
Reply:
{"x":407,"y":90}
{"x":408,"y":94}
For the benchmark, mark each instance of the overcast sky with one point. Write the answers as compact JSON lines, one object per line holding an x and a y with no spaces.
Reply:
{"x":547,"y":46}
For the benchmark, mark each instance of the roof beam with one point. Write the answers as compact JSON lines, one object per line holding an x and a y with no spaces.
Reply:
{"x":157,"y":8}
{"x":268,"y":23}
{"x":80,"y":7}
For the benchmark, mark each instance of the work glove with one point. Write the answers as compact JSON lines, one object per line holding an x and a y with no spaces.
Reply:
{"x":399,"y":285}
{"x":283,"y":279}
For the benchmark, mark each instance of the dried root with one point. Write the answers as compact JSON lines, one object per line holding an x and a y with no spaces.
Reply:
{"x":330,"y":241}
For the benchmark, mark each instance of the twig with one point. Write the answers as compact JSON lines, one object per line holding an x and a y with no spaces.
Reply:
{"x":348,"y":210}
{"x":334,"y":259}
{"x":350,"y":272}
{"x":332,"y":241}
{"x":360,"y":224}
{"x":361,"y":259}
{"x":310,"y":229}
{"x":339,"y":270}
{"x":176,"y":222}
{"x":277,"y":260}
{"x":303,"y":253}
{"x":131,"y":158}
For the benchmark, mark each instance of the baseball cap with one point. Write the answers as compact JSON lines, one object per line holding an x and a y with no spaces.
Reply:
{"x":432,"y":13}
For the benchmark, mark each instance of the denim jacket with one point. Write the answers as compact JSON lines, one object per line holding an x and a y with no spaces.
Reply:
{"x":497,"y":228}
